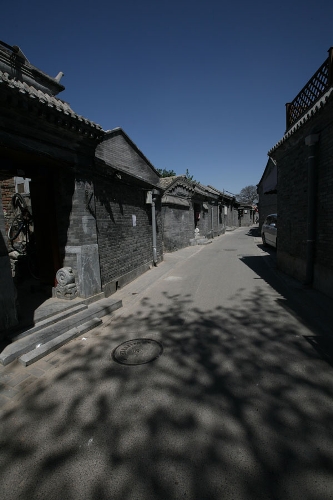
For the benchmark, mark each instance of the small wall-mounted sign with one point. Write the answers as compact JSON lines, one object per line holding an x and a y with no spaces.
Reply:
{"x":134,"y":220}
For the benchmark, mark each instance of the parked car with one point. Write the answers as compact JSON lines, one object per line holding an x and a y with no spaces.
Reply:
{"x":269,"y":231}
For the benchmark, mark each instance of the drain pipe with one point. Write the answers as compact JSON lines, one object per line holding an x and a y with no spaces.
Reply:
{"x":311,"y":141}
{"x":155,"y":193}
{"x":212,"y":216}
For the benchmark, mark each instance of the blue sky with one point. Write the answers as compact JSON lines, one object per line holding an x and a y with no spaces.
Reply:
{"x":198,"y":85}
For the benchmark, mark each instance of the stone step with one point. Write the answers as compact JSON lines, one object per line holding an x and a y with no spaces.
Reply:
{"x":50,"y":320}
{"x":51,"y":331}
{"x":50,"y":346}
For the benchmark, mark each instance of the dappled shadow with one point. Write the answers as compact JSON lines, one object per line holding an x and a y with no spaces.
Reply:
{"x":239,"y":406}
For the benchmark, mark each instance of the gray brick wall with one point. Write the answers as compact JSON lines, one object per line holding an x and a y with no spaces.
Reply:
{"x":77,"y":231}
{"x":118,"y":150}
{"x":292,"y":160}
{"x":76,"y":222}
{"x":231,"y":219}
{"x":178,"y":227}
{"x":204,"y":224}
{"x":324,"y":248}
{"x":123,"y":247}
{"x":8,"y":313}
{"x":267,"y":206}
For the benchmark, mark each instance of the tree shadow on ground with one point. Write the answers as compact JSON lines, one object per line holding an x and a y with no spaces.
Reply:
{"x":237,"y":407}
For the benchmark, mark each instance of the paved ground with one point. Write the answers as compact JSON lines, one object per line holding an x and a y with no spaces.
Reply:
{"x":15,"y":379}
{"x":238,"y":406}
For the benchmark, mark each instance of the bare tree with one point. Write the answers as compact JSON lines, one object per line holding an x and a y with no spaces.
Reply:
{"x":248,"y":195}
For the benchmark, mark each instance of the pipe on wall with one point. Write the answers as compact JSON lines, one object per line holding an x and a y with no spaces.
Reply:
{"x":155,"y":193}
{"x":311,"y":141}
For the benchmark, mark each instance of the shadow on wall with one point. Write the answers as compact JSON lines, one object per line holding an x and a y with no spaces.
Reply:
{"x":51,"y":215}
{"x":238,"y":406}
{"x":8,"y":312}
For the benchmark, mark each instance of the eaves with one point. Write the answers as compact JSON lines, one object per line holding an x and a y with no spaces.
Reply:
{"x":58,"y":112}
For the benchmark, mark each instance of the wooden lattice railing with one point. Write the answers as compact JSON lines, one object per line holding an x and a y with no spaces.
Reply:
{"x":311,"y":92}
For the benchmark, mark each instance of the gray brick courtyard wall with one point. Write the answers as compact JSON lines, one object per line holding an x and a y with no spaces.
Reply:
{"x":7,"y":188}
{"x":267,"y":206}
{"x":178,"y":227}
{"x":8,"y":313}
{"x":231,"y":219}
{"x":247,"y":217}
{"x":118,"y":151}
{"x":124,"y":232}
{"x":324,"y":247}
{"x":292,"y":200}
{"x":204,"y":223}
{"x":267,"y":201}
{"x":216,"y":224}
{"x":123,"y":218}
{"x":77,"y":231}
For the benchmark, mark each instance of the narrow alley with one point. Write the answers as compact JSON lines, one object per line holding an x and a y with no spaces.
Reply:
{"x":237,"y":403}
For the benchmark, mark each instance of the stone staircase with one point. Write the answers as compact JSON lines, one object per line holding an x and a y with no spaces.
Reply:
{"x":54,"y":328}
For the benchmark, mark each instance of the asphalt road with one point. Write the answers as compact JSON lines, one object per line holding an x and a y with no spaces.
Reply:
{"x":238,"y":405}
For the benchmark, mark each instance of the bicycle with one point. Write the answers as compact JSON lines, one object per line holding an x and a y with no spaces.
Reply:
{"x":21,"y":234}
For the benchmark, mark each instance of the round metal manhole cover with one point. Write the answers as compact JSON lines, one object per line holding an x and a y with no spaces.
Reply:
{"x":137,"y":351}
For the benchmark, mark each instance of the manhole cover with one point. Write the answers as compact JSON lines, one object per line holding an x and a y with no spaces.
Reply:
{"x":137,"y":351}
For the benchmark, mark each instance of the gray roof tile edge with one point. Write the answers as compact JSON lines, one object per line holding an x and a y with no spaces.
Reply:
{"x":45,"y":99}
{"x":168,"y":182}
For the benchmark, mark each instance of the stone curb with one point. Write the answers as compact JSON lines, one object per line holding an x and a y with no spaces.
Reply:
{"x":50,"y":346}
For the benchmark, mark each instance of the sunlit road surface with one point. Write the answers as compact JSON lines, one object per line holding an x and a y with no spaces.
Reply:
{"x":238,"y":406}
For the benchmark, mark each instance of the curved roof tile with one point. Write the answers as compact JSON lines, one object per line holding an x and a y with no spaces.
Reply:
{"x":44,"y":99}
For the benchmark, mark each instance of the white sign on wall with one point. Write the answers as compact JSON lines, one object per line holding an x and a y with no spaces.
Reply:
{"x":134,"y":220}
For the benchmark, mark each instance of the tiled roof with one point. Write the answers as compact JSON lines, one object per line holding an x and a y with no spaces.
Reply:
{"x":221,"y":193}
{"x":306,"y":117}
{"x":203,"y":190}
{"x":208,"y":189}
{"x":217,"y":191}
{"x":50,"y":102}
{"x":166,"y":182}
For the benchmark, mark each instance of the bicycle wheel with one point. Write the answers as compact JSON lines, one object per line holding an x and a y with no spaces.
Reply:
{"x":16,"y":235}
{"x":19,"y":203}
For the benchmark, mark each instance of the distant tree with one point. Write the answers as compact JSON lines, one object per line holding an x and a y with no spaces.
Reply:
{"x":166,"y":173}
{"x":248,"y":195}
{"x":189,"y":176}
